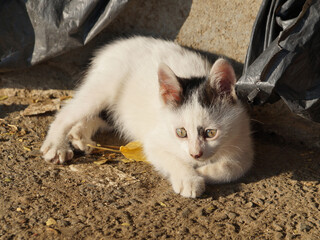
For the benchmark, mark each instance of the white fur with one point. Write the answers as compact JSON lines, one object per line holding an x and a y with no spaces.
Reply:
{"x":123,"y":78}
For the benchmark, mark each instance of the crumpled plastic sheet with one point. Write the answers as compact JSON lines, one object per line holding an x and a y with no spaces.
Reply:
{"x":283,"y":58}
{"x":36,"y":30}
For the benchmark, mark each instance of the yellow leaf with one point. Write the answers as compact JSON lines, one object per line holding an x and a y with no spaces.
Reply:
{"x":162,"y":204}
{"x":211,"y":208}
{"x":101,"y":161}
{"x":27,"y":149}
{"x":3,"y":98}
{"x":133,"y":151}
{"x":125,"y":224}
{"x":19,"y":210}
{"x":125,"y":160}
{"x":50,"y":222}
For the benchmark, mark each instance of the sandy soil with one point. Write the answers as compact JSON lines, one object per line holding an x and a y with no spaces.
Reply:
{"x":278,"y":199}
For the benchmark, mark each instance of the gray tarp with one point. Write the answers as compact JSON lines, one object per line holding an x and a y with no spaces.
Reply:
{"x":283,"y":58}
{"x":35,"y":30}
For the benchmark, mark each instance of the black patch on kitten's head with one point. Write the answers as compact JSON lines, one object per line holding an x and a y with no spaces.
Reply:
{"x":219,"y":85}
{"x":207,"y":95}
{"x":189,"y":86}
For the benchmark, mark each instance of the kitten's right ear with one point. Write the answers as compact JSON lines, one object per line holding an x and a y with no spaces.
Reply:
{"x":170,"y":89}
{"x":223,"y":78}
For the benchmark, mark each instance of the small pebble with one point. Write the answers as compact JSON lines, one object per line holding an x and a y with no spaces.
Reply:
{"x":50,"y":222}
{"x":249,"y":205}
{"x":277,"y":227}
{"x":231,"y":215}
{"x":186,"y":213}
{"x":278,"y":235}
{"x":63,"y":223}
{"x":304,"y":227}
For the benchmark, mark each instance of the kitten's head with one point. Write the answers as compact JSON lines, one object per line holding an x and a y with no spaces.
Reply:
{"x":203,"y":113}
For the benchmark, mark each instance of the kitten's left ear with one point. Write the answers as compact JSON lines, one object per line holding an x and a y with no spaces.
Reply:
{"x":223,"y":78}
{"x":170,"y":88}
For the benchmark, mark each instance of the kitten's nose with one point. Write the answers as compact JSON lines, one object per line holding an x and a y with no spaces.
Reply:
{"x":196,"y":156}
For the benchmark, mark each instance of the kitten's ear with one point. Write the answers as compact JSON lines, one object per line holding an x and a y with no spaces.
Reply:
{"x":223,"y":78}
{"x":170,"y":89}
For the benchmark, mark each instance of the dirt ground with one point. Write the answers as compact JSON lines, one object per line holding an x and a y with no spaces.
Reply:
{"x":278,"y":199}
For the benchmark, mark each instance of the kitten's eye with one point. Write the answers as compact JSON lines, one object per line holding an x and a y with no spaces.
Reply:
{"x":211,"y":133}
{"x":181,"y":132}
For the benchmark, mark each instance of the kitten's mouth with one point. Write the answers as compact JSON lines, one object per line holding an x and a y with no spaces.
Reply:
{"x":200,"y":159}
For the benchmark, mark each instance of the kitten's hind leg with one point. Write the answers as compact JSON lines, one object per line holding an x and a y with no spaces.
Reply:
{"x":80,"y":134}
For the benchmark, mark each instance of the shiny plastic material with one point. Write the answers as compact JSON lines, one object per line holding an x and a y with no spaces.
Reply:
{"x":35,"y":30}
{"x":283,"y":58}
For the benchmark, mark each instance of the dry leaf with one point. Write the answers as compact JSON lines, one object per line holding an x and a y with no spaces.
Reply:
{"x":3,"y":98}
{"x":163,"y":204}
{"x":19,"y":210}
{"x":27,"y":149}
{"x":133,"y":151}
{"x":125,"y":160}
{"x":42,"y":107}
{"x":100,"y":162}
{"x":125,"y":224}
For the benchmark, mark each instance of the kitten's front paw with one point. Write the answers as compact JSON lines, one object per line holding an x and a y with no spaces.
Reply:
{"x":55,"y":153}
{"x":188,"y":187}
{"x":79,"y":140}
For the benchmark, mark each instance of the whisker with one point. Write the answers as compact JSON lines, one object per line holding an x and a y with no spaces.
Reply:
{"x":237,"y":147}
{"x":255,"y":120}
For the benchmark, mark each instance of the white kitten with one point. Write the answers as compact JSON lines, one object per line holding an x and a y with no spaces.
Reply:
{"x":192,"y":126}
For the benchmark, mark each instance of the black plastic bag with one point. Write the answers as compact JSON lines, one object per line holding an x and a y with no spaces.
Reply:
{"x":35,"y":30}
{"x":283,"y":58}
